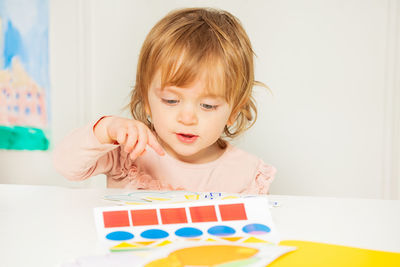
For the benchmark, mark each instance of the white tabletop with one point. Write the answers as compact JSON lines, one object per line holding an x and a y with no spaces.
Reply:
{"x":45,"y":226}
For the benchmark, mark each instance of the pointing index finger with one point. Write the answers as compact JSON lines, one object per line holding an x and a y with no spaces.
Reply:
{"x":153,"y":143}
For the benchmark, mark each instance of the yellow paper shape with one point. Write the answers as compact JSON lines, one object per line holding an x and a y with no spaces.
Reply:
{"x":210,"y":240}
{"x":192,"y":197}
{"x":254,"y":240}
{"x":156,"y":199}
{"x":145,"y":243}
{"x":230,"y":197}
{"x":123,"y":247}
{"x":206,"y":255}
{"x":312,"y":254}
{"x":164,"y":243}
{"x":134,"y":203}
{"x":232,"y":239}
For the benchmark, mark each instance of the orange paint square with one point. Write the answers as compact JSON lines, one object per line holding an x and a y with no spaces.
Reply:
{"x":232,"y":212}
{"x":176,"y":215}
{"x":116,"y":218}
{"x":144,"y":217}
{"x":203,"y":214}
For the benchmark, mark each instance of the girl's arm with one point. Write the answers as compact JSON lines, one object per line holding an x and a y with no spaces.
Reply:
{"x":80,"y":155}
{"x":93,"y":150}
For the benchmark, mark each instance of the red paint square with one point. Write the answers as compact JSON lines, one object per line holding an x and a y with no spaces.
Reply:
{"x":116,"y":218}
{"x":203,"y":214}
{"x":232,"y":212}
{"x":144,"y":217}
{"x":169,"y":216}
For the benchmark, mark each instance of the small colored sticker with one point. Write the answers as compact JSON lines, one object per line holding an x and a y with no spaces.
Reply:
{"x":212,"y":195}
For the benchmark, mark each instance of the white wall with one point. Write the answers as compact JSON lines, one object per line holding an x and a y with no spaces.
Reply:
{"x":330,"y":126}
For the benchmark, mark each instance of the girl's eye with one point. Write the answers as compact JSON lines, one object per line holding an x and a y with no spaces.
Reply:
{"x":169,"y":101}
{"x":209,"y":107}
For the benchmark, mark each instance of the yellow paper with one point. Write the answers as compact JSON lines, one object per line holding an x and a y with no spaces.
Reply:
{"x":311,"y":254}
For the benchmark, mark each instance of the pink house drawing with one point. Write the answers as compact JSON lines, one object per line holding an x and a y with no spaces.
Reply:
{"x":22,"y":101}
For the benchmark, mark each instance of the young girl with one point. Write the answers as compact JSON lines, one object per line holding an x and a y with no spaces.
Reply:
{"x":193,"y":88}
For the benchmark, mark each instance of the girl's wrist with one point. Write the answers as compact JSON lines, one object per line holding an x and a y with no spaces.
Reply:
{"x":100,"y":130}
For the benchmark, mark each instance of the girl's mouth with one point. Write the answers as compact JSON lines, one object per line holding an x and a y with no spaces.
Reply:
{"x":186,"y":138}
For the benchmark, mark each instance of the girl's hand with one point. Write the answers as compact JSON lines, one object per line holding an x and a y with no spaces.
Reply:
{"x":131,"y":134}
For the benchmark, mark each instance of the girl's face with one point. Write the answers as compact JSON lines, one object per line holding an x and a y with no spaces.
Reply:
{"x":188,"y":121}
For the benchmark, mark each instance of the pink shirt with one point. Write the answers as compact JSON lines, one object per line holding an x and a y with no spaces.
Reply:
{"x":80,"y":155}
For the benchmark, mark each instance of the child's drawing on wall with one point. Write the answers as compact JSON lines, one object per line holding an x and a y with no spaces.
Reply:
{"x":24,"y":79}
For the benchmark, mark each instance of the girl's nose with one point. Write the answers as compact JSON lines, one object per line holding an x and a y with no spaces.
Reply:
{"x":187,"y":115}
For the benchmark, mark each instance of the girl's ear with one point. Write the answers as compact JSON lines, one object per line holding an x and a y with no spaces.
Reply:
{"x":148,"y":114}
{"x":232,"y":118}
{"x":147,"y":109}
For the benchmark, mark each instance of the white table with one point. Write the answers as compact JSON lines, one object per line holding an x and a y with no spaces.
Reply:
{"x":45,"y":226}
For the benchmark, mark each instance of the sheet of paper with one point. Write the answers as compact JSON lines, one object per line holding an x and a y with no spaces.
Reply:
{"x":240,"y":220}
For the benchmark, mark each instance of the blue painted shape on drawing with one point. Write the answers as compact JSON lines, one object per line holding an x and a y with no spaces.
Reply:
{"x":188,"y":232}
{"x":154,"y":234}
{"x":119,"y":236}
{"x":256,"y":229}
{"x":13,"y":45}
{"x":221,"y":230}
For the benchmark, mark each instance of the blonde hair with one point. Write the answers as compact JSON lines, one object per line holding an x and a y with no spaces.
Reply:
{"x":191,"y":42}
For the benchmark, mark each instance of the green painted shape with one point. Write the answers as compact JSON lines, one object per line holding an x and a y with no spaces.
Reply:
{"x":129,"y":249}
{"x":23,"y":138}
{"x":240,"y":263}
